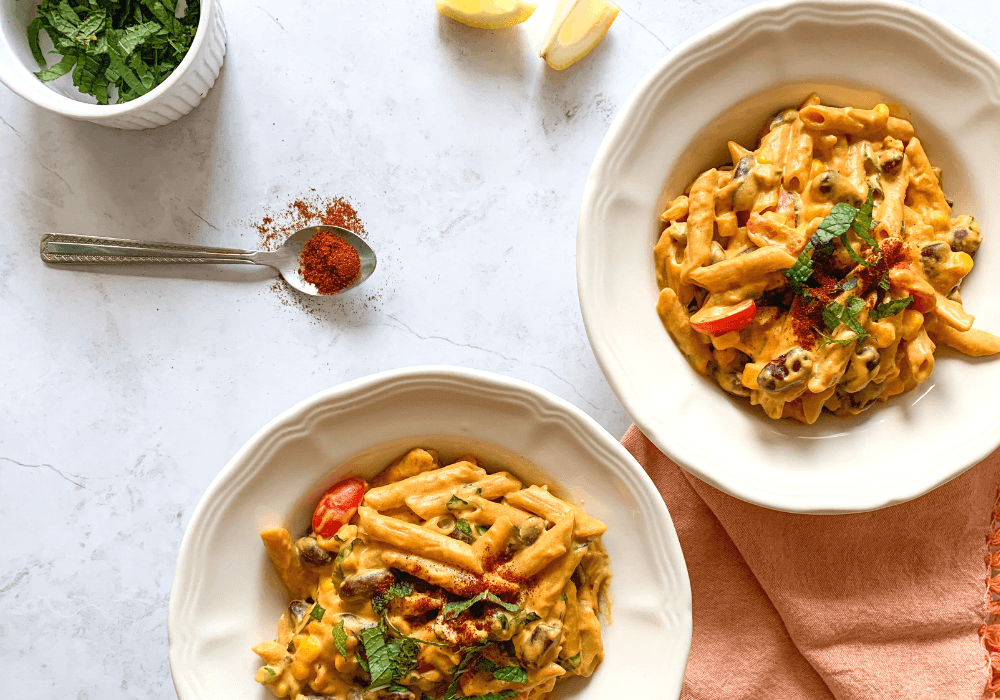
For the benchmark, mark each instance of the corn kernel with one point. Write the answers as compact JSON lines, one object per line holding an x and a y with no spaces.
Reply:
{"x":308,"y":649}
{"x":962,"y":263}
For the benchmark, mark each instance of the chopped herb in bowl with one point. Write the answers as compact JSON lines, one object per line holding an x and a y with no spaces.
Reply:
{"x":115,"y":48}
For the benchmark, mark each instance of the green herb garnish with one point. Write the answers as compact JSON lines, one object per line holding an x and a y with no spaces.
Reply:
{"x":452,"y":610}
{"x":387,"y":661}
{"x":842,"y":218}
{"x":502,"y":695}
{"x":132,"y":45}
{"x":508,"y":674}
{"x":889,"y":308}
{"x":836,"y":313}
{"x":317,"y":612}
{"x":397,"y":590}
{"x":572,"y":662}
{"x":456,"y":504}
{"x":464,"y":529}
{"x":340,"y":638}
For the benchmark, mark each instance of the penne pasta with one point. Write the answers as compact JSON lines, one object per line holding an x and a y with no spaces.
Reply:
{"x":441,"y":574}
{"x":540,"y":502}
{"x":818,"y":272}
{"x":413,"y":538}
{"x":394,"y":495}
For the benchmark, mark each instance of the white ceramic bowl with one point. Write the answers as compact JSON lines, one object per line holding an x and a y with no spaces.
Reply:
{"x":181,"y":92}
{"x":724,"y":84}
{"x":226,"y":596}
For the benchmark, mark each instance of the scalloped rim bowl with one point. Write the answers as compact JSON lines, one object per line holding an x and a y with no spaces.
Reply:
{"x":724,"y":84}
{"x":226,"y":596}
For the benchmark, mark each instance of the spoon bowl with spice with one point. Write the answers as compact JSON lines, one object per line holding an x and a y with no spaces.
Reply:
{"x":319,"y":260}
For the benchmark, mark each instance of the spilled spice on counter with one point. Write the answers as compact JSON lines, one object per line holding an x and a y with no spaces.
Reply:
{"x":280,"y":222}
{"x":329,"y":263}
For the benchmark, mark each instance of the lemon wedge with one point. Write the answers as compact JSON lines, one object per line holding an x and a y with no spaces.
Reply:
{"x":486,"y":14}
{"x":577,"y":28}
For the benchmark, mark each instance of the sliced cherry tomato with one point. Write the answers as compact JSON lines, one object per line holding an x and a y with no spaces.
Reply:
{"x":338,"y":506}
{"x":724,"y":319}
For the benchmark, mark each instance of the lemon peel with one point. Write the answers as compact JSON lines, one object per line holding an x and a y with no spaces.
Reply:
{"x":578,"y":26}
{"x":486,"y":14}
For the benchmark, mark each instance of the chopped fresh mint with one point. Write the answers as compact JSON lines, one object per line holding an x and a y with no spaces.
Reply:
{"x":317,"y":612}
{"x":508,"y":674}
{"x":452,"y":610}
{"x":572,"y":662}
{"x":464,"y":529}
{"x":456,"y":504}
{"x":397,"y":590}
{"x":836,"y":313}
{"x":889,"y":308}
{"x":502,"y":695}
{"x":340,"y":638}
{"x":863,"y":222}
{"x":130,"y":44}
{"x":387,"y":661}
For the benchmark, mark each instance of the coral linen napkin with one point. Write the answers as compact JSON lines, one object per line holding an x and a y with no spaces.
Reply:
{"x":888,"y":604}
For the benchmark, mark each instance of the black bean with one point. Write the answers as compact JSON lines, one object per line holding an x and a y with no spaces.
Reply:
{"x":297,"y":610}
{"x":366,"y":585}
{"x":785,"y":371}
{"x":312,"y":553}
{"x":743,"y":167}
{"x":891,"y":160}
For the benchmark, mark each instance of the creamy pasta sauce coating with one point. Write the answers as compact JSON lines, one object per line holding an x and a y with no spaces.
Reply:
{"x":446,"y":581}
{"x":821,"y":270}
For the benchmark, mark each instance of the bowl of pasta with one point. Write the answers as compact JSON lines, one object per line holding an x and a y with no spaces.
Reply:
{"x":430,"y":532}
{"x":784,"y":257}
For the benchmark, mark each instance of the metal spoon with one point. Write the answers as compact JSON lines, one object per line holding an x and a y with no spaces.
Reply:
{"x":69,"y":249}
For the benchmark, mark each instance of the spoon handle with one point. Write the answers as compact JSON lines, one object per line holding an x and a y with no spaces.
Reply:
{"x":62,"y":248}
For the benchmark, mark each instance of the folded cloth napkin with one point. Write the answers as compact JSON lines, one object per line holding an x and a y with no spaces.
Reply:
{"x":888,"y":604}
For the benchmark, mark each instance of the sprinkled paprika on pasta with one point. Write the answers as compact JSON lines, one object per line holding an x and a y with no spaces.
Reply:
{"x":439,"y":581}
{"x":821,"y":270}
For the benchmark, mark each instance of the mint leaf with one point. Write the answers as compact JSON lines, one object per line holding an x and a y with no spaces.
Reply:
{"x":799,"y":273}
{"x":340,"y":638}
{"x":60,"y":69}
{"x":387,"y":661}
{"x":379,"y":663}
{"x":132,"y":45}
{"x":508,"y":674}
{"x":863,"y":222}
{"x":502,"y":695}
{"x":464,"y":529}
{"x":467,"y":659}
{"x":33,"y":29}
{"x":93,"y":24}
{"x":889,"y":308}
{"x":397,"y":590}
{"x":456,"y":504}
{"x":317,"y":612}
{"x":835,"y":225}
{"x":836,"y":313}
{"x":452,"y":610}
{"x":572,"y":662}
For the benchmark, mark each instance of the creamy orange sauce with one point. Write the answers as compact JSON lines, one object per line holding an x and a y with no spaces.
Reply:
{"x":428,"y":539}
{"x":737,"y":230}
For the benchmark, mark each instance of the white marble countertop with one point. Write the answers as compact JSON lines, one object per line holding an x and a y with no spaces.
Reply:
{"x":125,"y":393}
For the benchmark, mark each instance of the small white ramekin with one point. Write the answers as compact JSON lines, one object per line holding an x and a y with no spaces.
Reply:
{"x":182,"y":91}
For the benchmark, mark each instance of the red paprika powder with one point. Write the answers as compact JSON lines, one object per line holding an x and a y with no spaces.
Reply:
{"x":329,"y":263}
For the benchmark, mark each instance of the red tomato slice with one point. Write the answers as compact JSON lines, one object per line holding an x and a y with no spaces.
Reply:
{"x":726,"y":319}
{"x":338,"y":506}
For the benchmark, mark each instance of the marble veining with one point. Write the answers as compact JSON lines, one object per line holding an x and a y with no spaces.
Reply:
{"x":126,"y":391}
